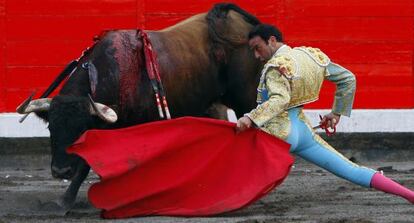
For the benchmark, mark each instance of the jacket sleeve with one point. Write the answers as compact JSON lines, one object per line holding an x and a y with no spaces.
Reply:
{"x":345,"y":88}
{"x":278,"y":88}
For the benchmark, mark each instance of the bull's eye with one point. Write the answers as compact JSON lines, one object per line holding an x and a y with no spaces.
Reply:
{"x":85,"y":65}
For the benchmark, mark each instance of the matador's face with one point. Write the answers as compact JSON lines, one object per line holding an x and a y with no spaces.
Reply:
{"x":261,"y":49}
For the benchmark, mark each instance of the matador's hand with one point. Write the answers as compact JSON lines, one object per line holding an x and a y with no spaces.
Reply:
{"x":243,"y":123}
{"x":330,"y":120}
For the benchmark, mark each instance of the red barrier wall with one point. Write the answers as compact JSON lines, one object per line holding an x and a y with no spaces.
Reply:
{"x":374,"y":39}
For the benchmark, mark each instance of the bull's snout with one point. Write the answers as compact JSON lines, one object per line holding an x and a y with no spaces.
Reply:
{"x":62,"y":173}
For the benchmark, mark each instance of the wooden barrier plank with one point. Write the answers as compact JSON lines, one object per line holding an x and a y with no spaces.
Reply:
{"x":64,"y":27}
{"x":349,"y":8}
{"x":71,"y":7}
{"x":44,"y":53}
{"x":189,"y":7}
{"x":31,"y":77}
{"x":373,"y":70}
{"x":17,"y":96}
{"x":349,"y":51}
{"x":385,"y":97}
{"x":158,"y":22}
{"x":350,"y":28}
{"x":374,"y":39}
{"x":2,"y":55}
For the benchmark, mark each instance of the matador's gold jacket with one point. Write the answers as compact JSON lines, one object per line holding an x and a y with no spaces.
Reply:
{"x":293,"y":77}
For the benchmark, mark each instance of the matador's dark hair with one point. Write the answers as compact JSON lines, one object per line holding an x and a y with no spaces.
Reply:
{"x":265,"y":31}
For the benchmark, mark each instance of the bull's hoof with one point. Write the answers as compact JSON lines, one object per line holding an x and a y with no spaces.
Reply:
{"x":53,"y":207}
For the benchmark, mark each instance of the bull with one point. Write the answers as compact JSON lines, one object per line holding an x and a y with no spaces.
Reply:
{"x":202,"y":60}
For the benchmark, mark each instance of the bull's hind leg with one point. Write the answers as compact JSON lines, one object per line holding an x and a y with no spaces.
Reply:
{"x":67,"y":200}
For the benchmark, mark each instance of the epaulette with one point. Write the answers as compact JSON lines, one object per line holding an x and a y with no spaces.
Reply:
{"x":285,"y":64}
{"x":316,"y":54}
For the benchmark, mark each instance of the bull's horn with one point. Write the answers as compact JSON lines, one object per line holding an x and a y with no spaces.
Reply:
{"x":24,"y":104}
{"x":102,"y":111}
{"x":42,"y":104}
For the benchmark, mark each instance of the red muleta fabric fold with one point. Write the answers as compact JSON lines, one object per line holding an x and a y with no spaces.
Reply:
{"x":181,"y":167}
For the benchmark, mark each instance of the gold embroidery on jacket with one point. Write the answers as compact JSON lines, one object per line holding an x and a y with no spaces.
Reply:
{"x":293,"y":77}
{"x":285,"y":64}
{"x":316,"y":54}
{"x":306,"y":87}
{"x":278,"y":89}
{"x":278,"y":126}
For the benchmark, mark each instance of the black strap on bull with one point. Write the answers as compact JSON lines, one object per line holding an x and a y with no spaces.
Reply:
{"x":69,"y":69}
{"x":151,"y":66}
{"x":154,"y":75}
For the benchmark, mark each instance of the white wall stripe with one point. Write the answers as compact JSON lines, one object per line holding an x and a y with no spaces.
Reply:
{"x":362,"y":120}
{"x":31,"y":127}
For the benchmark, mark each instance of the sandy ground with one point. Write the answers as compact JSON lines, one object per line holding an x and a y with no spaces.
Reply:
{"x":309,"y":194}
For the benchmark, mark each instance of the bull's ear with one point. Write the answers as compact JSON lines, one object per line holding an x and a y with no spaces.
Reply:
{"x":102,"y":111}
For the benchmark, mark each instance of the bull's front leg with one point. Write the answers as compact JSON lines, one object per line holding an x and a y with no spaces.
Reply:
{"x":69,"y":197}
{"x":67,"y":200}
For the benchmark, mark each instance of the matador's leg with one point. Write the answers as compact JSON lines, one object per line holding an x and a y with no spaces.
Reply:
{"x":314,"y":149}
{"x":322,"y":154}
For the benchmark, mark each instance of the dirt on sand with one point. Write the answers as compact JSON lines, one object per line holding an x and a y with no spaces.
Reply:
{"x":309,"y":194}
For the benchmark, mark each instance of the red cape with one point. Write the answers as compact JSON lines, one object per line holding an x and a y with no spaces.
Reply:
{"x":183,"y":167}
